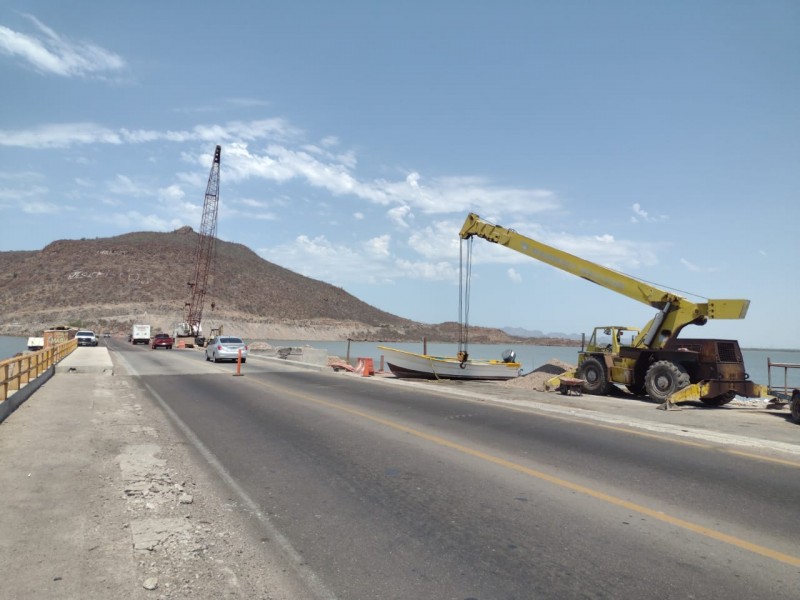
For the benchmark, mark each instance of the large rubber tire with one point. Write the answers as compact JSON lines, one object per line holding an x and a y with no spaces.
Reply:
{"x":720,"y":400}
{"x":794,"y":405}
{"x":594,"y":375}
{"x":663,"y":378}
{"x":637,"y":389}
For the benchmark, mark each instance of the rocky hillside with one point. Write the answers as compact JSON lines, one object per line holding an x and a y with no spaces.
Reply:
{"x":109,"y":283}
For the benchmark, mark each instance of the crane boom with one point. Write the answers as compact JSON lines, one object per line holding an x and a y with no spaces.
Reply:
{"x":206,"y":246}
{"x":675,"y":311}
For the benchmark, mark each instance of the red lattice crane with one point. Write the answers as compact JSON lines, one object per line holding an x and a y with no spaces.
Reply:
{"x":204,"y":261}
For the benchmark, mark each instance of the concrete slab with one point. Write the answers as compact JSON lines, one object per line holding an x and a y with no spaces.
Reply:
{"x":87,"y":360}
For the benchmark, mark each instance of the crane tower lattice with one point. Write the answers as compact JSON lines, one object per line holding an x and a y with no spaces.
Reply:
{"x":206,"y":248}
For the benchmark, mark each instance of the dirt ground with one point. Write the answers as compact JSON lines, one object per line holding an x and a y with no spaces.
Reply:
{"x":536,"y":379}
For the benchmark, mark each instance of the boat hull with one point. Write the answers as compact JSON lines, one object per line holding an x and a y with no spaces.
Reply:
{"x":409,"y":365}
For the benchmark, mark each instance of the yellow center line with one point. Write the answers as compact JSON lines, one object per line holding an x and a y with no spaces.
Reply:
{"x":563,"y":483}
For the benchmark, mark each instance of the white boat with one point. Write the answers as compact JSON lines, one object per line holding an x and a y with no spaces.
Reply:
{"x":409,"y":365}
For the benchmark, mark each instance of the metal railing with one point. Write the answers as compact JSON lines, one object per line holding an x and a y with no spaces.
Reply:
{"x":786,"y":390}
{"x":19,"y":371}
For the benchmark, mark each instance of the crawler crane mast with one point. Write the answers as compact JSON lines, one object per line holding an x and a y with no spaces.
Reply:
{"x":204,"y":259}
{"x":656,"y":363}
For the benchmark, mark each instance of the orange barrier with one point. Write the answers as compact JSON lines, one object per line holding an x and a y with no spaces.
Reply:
{"x":364,"y":367}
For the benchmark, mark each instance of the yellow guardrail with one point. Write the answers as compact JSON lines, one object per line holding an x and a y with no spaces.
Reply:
{"x":19,"y":371}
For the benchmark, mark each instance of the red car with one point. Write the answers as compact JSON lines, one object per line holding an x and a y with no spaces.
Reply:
{"x":162,"y":340}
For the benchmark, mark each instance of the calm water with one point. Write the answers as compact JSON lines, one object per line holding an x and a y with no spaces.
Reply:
{"x":530,"y":356}
{"x":9,"y":346}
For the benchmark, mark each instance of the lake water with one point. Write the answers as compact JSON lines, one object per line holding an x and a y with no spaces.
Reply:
{"x":529,"y":356}
{"x":9,"y":346}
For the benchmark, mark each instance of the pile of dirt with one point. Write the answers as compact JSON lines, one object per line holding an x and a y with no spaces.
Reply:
{"x":536,"y":379}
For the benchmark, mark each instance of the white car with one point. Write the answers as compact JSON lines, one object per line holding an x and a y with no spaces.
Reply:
{"x":225,"y":347}
{"x":86,"y":338}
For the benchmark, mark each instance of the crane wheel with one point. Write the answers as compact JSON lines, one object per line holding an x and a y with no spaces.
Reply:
{"x":795,"y":406}
{"x":664,"y":378}
{"x":593,"y":373}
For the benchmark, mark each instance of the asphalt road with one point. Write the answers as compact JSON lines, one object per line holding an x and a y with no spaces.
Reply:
{"x":380,"y":491}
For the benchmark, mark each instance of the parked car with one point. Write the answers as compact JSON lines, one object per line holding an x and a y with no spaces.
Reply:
{"x":162,"y":340}
{"x":225,"y":347}
{"x":86,"y":338}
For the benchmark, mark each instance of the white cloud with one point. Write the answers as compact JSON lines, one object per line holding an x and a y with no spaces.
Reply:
{"x":48,"y":52}
{"x":514,"y":275}
{"x":138,"y":222}
{"x":436,"y":242}
{"x":640,"y":214}
{"x":378,"y":246}
{"x":430,"y":271}
{"x":339,"y":264}
{"x":694,"y":268}
{"x":36,"y":207}
{"x":171,"y":193}
{"x":320,"y":259}
{"x":399,"y":215}
{"x":312,"y":165}
{"x":24,"y":193}
{"x":59,"y":136}
{"x":252,"y":203}
{"x":65,"y":135}
{"x":124,"y":186}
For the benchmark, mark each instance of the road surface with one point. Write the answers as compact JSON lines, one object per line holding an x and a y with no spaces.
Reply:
{"x":374,"y":490}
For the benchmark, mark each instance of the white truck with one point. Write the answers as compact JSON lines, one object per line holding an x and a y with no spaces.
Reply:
{"x":140,"y":334}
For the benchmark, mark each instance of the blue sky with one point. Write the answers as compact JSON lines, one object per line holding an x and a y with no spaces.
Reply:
{"x":661,"y":139}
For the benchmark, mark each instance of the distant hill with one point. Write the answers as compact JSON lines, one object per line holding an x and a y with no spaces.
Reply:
{"x":527,"y":333}
{"x":110,"y":283}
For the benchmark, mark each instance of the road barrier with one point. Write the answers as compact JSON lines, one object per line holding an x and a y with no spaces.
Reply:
{"x":19,"y":371}
{"x":365,"y":367}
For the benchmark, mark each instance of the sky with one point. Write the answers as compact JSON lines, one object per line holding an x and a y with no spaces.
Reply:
{"x":660,"y":139}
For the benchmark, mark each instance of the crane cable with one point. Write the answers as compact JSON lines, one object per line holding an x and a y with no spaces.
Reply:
{"x":464,"y":280}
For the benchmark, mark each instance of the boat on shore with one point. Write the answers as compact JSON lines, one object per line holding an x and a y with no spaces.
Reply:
{"x":410,"y":365}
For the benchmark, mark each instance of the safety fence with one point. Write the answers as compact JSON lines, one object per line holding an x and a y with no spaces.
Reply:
{"x":19,"y":371}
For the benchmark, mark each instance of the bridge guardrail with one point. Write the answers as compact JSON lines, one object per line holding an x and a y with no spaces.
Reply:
{"x":19,"y":371}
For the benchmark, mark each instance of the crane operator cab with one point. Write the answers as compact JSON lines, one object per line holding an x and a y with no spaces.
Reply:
{"x":610,"y":339}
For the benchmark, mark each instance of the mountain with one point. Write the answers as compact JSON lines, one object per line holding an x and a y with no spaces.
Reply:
{"x":527,"y":333}
{"x":107,"y":284}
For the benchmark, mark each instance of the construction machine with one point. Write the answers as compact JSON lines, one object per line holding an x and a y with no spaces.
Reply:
{"x":204,"y":260}
{"x":651,"y":360}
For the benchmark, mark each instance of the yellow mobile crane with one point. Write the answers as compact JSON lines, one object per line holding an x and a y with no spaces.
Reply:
{"x":656,"y":362}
